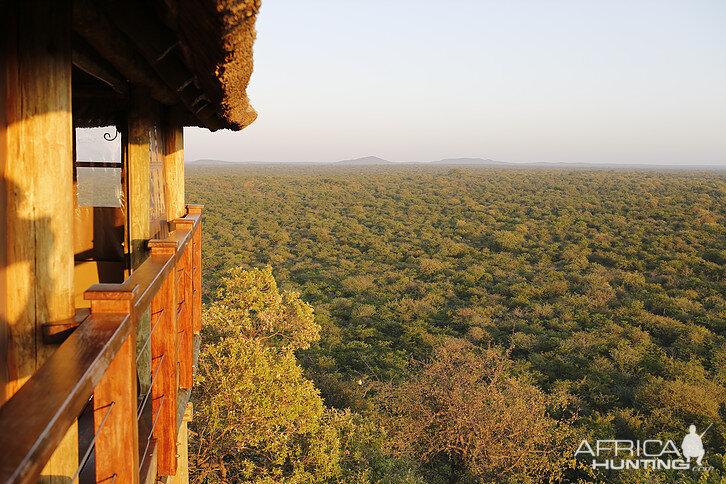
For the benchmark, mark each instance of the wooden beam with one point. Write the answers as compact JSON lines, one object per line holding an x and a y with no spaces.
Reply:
{"x":115,"y":47}
{"x":159,"y":224}
{"x":168,"y":12}
{"x":88,"y":60}
{"x":148,"y":467}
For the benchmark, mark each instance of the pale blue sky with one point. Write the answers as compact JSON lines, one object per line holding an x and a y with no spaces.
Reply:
{"x":624,"y":81}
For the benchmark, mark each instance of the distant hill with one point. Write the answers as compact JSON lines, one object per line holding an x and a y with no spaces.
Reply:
{"x":468,"y":161}
{"x":210,"y":162}
{"x":366,"y":160}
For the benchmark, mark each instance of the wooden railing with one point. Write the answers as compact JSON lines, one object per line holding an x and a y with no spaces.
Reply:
{"x":95,"y":369}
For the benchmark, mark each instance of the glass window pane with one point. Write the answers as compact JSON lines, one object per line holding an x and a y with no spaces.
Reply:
{"x":98,"y":167}
{"x":98,"y":144}
{"x":99,"y":187}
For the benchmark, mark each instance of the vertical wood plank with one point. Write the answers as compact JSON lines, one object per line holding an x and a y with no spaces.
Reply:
{"x":164,"y":357}
{"x":174,"y":171}
{"x":114,"y":416}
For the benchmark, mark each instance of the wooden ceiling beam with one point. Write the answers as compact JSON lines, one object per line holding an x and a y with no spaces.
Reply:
{"x":88,"y":60}
{"x":113,"y":45}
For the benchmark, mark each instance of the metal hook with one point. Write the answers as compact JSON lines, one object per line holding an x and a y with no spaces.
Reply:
{"x":107,"y":136}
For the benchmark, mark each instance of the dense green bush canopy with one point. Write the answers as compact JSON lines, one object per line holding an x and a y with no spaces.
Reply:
{"x":605,"y":285}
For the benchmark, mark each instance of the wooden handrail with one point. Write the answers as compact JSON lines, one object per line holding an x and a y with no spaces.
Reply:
{"x":140,"y":287}
{"x":36,"y":418}
{"x":146,"y":280}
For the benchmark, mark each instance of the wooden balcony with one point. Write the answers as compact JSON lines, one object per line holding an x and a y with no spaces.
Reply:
{"x":97,"y":377}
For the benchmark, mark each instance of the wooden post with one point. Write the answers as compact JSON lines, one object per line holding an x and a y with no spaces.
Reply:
{"x":114,"y":419}
{"x":38,"y":196}
{"x":114,"y":403}
{"x":164,"y":359}
{"x":139,"y":175}
{"x":182,"y":474}
{"x":138,"y":159}
{"x":174,"y":171}
{"x":39,"y":179}
{"x":196,"y":270}
{"x":185,"y":323}
{"x":5,"y":31}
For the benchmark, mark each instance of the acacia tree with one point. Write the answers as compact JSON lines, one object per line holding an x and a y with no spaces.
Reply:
{"x":250,"y":306}
{"x":467,"y":408}
{"x":257,"y":418}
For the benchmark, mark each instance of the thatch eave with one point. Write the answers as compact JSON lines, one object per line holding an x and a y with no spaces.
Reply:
{"x":193,"y":55}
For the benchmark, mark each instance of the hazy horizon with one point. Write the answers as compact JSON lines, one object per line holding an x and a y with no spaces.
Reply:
{"x":560,"y":81}
{"x":434,"y":162}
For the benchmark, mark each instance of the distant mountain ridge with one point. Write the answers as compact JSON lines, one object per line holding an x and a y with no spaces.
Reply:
{"x":468,"y":161}
{"x":366,"y":160}
{"x":214,"y":162}
{"x":375,"y":160}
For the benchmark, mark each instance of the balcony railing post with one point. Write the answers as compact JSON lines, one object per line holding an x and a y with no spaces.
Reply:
{"x":114,"y":419}
{"x":164,"y":360}
{"x":114,"y":403}
{"x":196,"y":270}
{"x":185,"y":304}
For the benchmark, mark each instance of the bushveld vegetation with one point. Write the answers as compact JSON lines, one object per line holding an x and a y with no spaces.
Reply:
{"x":458,"y":305}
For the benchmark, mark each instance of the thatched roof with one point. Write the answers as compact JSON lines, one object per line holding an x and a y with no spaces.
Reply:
{"x":192,"y":55}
